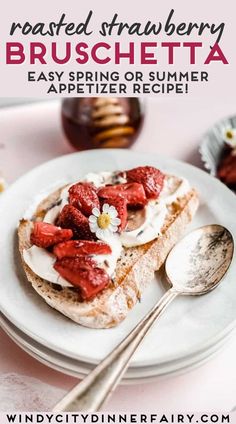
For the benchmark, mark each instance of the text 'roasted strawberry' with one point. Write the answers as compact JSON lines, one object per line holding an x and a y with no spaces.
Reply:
{"x":46,"y":235}
{"x":151,"y":178}
{"x":83,"y":196}
{"x":84,"y":274}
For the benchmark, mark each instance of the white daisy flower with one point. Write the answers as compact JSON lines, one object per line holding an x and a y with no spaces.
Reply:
{"x":104,"y":223}
{"x":229,"y":136}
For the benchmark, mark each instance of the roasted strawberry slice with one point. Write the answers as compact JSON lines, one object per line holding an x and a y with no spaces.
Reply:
{"x":121,"y":206}
{"x":73,"y":248}
{"x":70,"y":217}
{"x":133,"y":193}
{"x":46,"y":235}
{"x":83,"y":196}
{"x":84,"y":274}
{"x":151,"y":178}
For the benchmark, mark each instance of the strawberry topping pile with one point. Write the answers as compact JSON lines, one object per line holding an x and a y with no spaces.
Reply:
{"x":71,"y":240}
{"x":84,"y":274}
{"x":151,"y":178}
{"x":46,"y":235}
{"x":73,"y":218}
{"x":83,"y":196}
{"x":74,"y":248}
{"x":133,"y":193}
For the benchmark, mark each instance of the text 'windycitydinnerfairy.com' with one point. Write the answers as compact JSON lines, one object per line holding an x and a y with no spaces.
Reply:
{"x":114,"y":418}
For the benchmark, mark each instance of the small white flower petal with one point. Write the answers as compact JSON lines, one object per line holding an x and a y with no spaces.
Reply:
{"x":115,"y":221}
{"x":93,"y":227}
{"x":96,"y":212}
{"x":99,"y":233}
{"x":109,"y":232}
{"x":114,"y":228}
{"x":106,"y":208}
{"x":92,"y":218}
{"x":113,"y":212}
{"x":106,"y":232}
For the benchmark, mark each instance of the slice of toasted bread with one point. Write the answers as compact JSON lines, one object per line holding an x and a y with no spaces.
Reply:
{"x":134,"y":271}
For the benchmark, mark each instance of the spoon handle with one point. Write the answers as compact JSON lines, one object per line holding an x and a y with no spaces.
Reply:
{"x":90,"y":394}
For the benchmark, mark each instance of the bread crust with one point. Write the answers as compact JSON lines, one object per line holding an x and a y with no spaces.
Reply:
{"x":135,"y":269}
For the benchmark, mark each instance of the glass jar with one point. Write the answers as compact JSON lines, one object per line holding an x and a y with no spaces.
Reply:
{"x":102,"y":122}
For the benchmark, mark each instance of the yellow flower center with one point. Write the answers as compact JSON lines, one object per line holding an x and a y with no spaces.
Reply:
{"x":229,"y":134}
{"x":104,"y":221}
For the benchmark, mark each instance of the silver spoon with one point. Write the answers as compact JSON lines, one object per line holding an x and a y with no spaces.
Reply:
{"x":195,"y":266}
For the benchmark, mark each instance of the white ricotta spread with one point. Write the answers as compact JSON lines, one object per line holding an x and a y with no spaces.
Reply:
{"x":99,"y":179}
{"x":41,"y":261}
{"x":172,"y":190}
{"x":151,"y":227}
{"x":156,"y":212}
{"x":108,"y":262}
{"x":53,"y":213}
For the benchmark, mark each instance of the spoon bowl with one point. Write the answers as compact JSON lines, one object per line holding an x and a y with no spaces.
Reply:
{"x":197,"y":264}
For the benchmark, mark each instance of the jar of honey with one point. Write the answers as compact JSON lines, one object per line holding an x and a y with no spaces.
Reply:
{"x":102,"y":122}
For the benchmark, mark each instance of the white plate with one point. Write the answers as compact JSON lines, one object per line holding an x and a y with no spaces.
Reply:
{"x":79,"y":369}
{"x":190,"y":324}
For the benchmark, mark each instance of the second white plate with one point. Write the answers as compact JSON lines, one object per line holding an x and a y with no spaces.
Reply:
{"x":80,"y":369}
